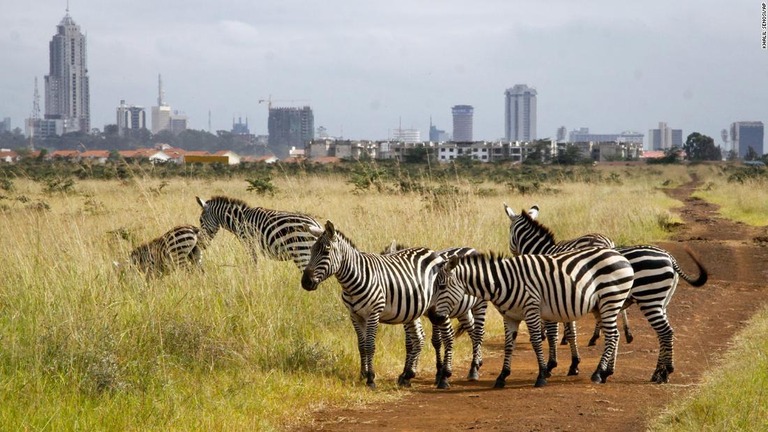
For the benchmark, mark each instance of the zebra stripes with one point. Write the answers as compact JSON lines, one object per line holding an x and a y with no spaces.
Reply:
{"x":394,"y":288}
{"x":557,"y":288}
{"x":656,"y":277}
{"x":179,"y":247}
{"x":278,"y":234}
{"x":470,"y":312}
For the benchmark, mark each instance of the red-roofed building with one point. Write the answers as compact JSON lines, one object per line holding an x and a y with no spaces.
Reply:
{"x":233,"y":157}
{"x":9,"y":156}
{"x":98,"y":156}
{"x":70,"y":155}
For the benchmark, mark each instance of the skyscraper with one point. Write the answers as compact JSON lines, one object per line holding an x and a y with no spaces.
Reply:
{"x":130,"y":117}
{"x":520,"y":113}
{"x":664,"y":137}
{"x":67,"y":95}
{"x":462,"y":122}
{"x":746,"y":134}
{"x":290,"y":127}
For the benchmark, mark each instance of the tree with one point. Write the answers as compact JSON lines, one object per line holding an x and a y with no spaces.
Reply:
{"x":539,"y":154}
{"x":751,"y":154}
{"x":700,"y":147}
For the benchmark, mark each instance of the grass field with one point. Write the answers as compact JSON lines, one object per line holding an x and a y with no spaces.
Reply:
{"x":239,"y":346}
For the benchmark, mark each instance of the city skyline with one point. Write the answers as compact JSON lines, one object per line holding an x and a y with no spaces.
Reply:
{"x":366,"y":68}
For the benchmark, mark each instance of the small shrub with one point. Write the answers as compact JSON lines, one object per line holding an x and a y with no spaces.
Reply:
{"x":261,"y":185}
{"x":6,"y":184}
{"x":62,"y":185}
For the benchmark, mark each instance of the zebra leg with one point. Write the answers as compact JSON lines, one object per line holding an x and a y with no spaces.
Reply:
{"x":564,"y":340}
{"x":437,"y":345}
{"x":415,"y":334}
{"x":477,"y":334}
{"x":446,"y":334}
{"x":371,"y":327}
{"x":533,"y":321}
{"x":570,"y":336}
{"x":627,"y":332}
{"x":510,"y":336}
{"x":665,"y":364}
{"x":550,"y":331}
{"x":595,"y":334}
{"x":608,"y":360}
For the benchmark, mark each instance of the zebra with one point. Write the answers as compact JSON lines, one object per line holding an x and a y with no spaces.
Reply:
{"x":395,"y":288}
{"x":179,"y":247}
{"x":557,"y":288}
{"x":535,"y":242}
{"x":278,"y":234}
{"x":470,"y":312}
{"x":656,"y":277}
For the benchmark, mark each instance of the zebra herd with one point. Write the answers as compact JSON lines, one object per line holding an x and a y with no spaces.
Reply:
{"x":544,"y":283}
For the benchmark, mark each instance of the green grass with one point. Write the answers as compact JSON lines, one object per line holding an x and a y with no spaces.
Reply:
{"x":734,"y":395}
{"x":239,"y":346}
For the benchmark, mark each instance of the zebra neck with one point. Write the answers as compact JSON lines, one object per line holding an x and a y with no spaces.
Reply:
{"x":485,"y":287}
{"x":243,"y":221}
{"x":350,"y":265}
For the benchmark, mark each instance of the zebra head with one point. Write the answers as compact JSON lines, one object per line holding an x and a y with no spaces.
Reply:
{"x":519,"y":225}
{"x":324,"y":258}
{"x":448,"y":291}
{"x":209,"y":221}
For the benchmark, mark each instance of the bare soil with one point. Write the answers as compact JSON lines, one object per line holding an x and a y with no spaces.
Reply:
{"x":705,"y":320}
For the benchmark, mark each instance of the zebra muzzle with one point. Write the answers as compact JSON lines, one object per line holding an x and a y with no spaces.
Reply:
{"x":434,"y":317}
{"x":308,"y":281}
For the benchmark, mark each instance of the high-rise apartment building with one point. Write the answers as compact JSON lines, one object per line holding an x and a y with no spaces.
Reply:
{"x":746,"y":134}
{"x":664,"y":137}
{"x":520,"y":113}
{"x":290,"y":127}
{"x":130,"y":117}
{"x":5,"y":125}
{"x":462,"y":122}
{"x":67,"y":94}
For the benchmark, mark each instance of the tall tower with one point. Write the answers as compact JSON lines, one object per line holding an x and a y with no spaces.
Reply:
{"x":67,"y":94}
{"x":161,"y":114}
{"x":462,"y":122}
{"x":520,"y":113}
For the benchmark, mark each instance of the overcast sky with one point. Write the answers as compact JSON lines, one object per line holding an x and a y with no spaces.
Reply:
{"x":367,"y":67}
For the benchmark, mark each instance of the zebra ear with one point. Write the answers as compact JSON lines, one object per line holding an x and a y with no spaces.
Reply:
{"x":392,"y":247}
{"x":315,"y":231}
{"x":330,"y":229}
{"x":451,"y":264}
{"x":534,"y":212}
{"x":510,"y":213}
{"x":200,"y":202}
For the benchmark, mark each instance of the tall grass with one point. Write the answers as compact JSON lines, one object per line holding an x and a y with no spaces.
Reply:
{"x":741,"y":197}
{"x":239,"y":345}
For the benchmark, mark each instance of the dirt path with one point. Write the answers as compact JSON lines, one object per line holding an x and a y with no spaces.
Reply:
{"x":705,"y":319}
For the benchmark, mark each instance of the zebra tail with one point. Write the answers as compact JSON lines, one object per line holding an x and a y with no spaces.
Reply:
{"x":703,"y":275}
{"x":461,"y":330}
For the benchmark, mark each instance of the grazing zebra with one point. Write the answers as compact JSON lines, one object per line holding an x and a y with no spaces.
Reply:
{"x":395,"y":288}
{"x":557,"y":288}
{"x":179,"y":247}
{"x":470,"y":312}
{"x":278,"y":234}
{"x":656,"y":278}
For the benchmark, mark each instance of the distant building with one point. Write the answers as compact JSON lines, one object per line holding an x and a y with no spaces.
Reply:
{"x":664,"y":137}
{"x":40,"y":129}
{"x":289,"y":128}
{"x":240,"y":128}
{"x":437,"y":135}
{"x":406,"y":135}
{"x":746,"y":134}
{"x":163,"y":118}
{"x":67,"y":94}
{"x":562,"y":134}
{"x":583,"y":135}
{"x":462,"y":122}
{"x":520,"y":113}
{"x":130,"y":117}
{"x":177,"y":123}
{"x":5,"y":125}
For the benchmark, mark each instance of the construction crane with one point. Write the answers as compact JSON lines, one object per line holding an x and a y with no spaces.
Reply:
{"x":269,"y":101}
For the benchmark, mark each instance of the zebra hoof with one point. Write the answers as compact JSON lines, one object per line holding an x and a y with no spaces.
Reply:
{"x":592,"y":342}
{"x":598,"y":378}
{"x":629,"y":338}
{"x":474,"y":375}
{"x":443,"y":384}
{"x":551,"y":365}
{"x":499,"y":384}
{"x":573,"y":371}
{"x":540,"y":382}
{"x":660,"y":376}
{"x":371,"y":385}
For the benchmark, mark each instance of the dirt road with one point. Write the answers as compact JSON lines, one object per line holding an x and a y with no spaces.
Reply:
{"x":705,"y":319}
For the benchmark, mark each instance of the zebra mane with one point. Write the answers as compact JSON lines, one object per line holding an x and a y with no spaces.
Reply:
{"x":538,"y":226}
{"x":229,"y":200}
{"x":342,"y":236}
